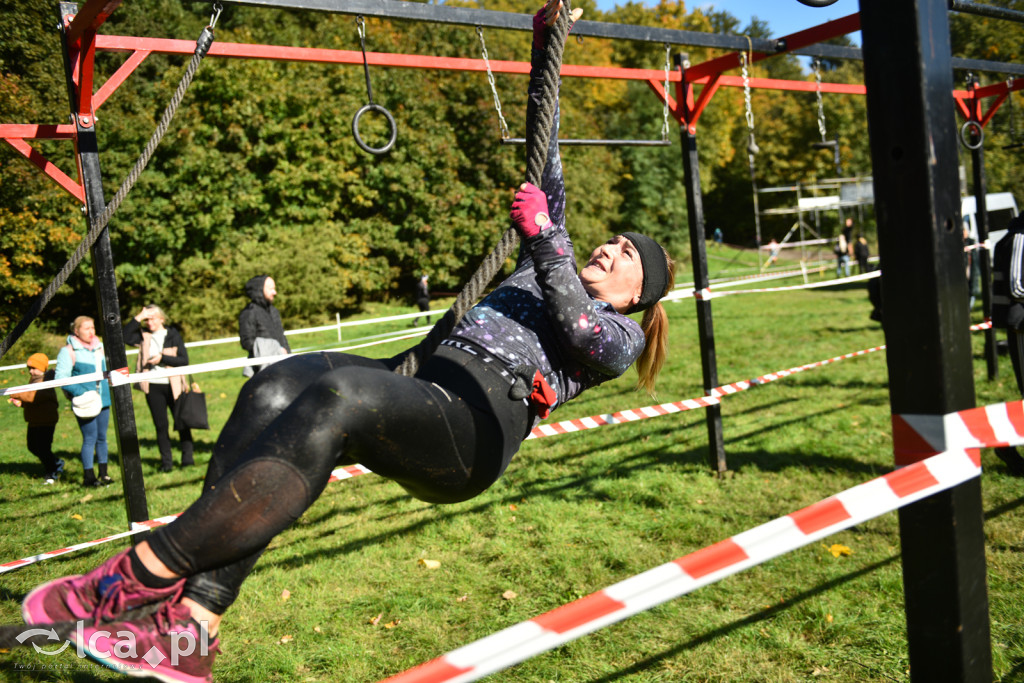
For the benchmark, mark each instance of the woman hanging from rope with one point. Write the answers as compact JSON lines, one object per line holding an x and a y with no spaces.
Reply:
{"x":542,"y":337}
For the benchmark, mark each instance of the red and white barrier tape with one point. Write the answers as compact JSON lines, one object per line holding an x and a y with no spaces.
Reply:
{"x":685,"y":574}
{"x":743,"y":385}
{"x":138,"y":527}
{"x":918,"y":436}
{"x":584,"y":423}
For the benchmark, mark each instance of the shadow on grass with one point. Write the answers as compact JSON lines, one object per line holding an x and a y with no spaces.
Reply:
{"x":104,"y":494}
{"x":763,"y":615}
{"x":1014,"y":675}
{"x":578,"y":488}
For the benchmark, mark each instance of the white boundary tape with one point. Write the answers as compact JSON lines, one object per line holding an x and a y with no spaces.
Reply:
{"x":706,"y":294}
{"x":122,"y":376}
{"x":307,"y":330}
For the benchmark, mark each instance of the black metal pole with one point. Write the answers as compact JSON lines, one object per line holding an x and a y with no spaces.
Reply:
{"x":983,"y":255}
{"x":914,"y":155}
{"x":106,"y":296}
{"x":705,"y":327}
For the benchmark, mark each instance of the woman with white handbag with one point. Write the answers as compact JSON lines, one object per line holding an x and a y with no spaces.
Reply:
{"x":90,"y":401}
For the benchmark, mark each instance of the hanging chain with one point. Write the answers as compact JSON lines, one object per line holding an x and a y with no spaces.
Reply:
{"x":1013,"y":124}
{"x":821,"y":107}
{"x":752,"y":147}
{"x":664,"y":112}
{"x":494,"y":90}
{"x":361,"y":29}
{"x":746,"y":91}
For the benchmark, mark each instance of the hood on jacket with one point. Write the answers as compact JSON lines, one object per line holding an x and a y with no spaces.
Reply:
{"x":254,"y":290}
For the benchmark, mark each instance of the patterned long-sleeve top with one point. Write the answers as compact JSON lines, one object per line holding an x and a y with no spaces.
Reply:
{"x":541,"y":315}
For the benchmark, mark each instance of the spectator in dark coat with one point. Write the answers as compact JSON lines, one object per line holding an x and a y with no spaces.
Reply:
{"x":422,"y":298}
{"x":161,"y":347}
{"x":259,"y":324}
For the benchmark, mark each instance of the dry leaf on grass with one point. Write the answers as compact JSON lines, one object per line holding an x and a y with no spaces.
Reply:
{"x":77,"y":516}
{"x":430,"y":564}
{"x":375,"y":620}
{"x":838,"y":549}
{"x":285,"y":594}
{"x":392,"y":624}
{"x":286,"y":639}
{"x":510,"y":595}
{"x":462,"y":598}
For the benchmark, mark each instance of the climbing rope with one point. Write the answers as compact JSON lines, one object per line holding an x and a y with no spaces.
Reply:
{"x":93,"y":233}
{"x":538,"y":133}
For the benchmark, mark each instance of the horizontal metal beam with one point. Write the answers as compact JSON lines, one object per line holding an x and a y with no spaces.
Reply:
{"x":986,"y":10}
{"x":595,"y":142}
{"x":467,"y":16}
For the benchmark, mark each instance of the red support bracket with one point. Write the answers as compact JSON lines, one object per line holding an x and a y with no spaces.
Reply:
{"x":80,"y":32}
{"x":47,"y":167}
{"x":969,"y":102}
{"x":794,"y":41}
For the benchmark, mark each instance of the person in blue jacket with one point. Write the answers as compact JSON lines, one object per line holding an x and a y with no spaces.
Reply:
{"x":83,"y":355}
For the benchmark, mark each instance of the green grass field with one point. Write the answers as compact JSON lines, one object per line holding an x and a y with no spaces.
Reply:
{"x":342,"y":595}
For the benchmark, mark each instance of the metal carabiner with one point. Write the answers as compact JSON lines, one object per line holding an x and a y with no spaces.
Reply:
{"x":217,"y":9}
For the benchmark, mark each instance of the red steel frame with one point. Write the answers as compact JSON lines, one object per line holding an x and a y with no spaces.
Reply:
{"x":710,"y":75}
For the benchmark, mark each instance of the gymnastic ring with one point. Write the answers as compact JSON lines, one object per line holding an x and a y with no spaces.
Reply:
{"x":391,"y":122}
{"x":817,"y":3}
{"x":963,"y":134}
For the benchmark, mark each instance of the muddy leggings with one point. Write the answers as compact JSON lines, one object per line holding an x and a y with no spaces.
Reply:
{"x":292,"y":424}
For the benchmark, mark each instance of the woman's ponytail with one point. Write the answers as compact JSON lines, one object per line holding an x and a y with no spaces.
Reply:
{"x":655,"y":327}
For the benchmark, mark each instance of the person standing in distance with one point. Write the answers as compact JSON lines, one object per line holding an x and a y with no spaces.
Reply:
{"x":422,"y":298}
{"x":259,"y":324}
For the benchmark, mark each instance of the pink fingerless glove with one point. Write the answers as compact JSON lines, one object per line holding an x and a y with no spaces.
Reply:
{"x":539,"y":25}
{"x":530,"y":211}
{"x":538,"y":29}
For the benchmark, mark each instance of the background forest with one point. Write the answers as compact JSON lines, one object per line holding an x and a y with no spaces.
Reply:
{"x":259,"y":172}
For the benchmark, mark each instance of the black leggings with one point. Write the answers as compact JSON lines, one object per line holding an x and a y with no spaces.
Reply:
{"x":292,"y":425}
{"x":160,"y":400}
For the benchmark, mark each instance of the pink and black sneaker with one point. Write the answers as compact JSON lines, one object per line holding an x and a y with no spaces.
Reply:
{"x":104,"y":594}
{"x":168,"y":645}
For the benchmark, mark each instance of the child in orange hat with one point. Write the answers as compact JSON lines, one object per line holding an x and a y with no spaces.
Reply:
{"x":41,"y":415}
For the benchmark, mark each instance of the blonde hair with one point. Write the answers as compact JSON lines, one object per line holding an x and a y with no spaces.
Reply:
{"x":655,"y":327}
{"x":157,"y":311}
{"x":77,"y":323}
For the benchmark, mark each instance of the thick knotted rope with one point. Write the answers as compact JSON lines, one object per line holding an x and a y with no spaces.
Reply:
{"x":202,"y":46}
{"x":539,"y":120}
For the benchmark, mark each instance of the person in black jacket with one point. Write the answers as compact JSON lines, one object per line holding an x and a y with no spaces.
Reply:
{"x":1008,"y":313}
{"x":259,"y":324}
{"x":161,"y":347}
{"x":422,"y":298}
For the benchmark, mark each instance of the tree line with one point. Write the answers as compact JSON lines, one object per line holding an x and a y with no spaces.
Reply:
{"x":259,"y":172}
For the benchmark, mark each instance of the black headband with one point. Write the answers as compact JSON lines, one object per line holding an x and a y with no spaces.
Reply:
{"x":655,"y":265}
